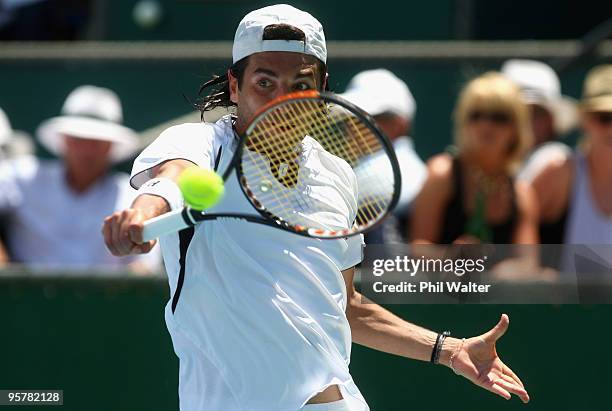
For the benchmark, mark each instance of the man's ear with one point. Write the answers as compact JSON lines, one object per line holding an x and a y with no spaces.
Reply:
{"x":326,"y":82}
{"x":233,"y":87}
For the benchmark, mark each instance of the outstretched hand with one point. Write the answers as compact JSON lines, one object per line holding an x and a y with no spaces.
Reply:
{"x":477,"y":360}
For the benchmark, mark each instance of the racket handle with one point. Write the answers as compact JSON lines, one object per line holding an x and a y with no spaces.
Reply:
{"x":165,"y":224}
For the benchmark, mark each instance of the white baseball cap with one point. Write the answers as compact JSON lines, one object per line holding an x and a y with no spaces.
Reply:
{"x":540,"y":85}
{"x":249,"y":34}
{"x":380,"y":91}
{"x":92,"y":113}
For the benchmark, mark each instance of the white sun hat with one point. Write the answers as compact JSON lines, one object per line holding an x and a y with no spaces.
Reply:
{"x":92,"y":113}
{"x":6,"y":131}
{"x":380,"y":91}
{"x":249,"y":34}
{"x":540,"y":85}
{"x":13,"y":143}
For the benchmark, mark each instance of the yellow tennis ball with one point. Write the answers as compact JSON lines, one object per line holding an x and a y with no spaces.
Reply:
{"x":201,"y":188}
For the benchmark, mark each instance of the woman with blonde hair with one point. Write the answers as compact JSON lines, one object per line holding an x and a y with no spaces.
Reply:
{"x":472,"y":196}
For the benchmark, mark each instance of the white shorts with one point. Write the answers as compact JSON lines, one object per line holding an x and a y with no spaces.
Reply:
{"x":341,"y":405}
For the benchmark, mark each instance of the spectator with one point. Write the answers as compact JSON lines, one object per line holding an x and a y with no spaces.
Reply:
{"x":575,"y":194}
{"x":54,"y":208}
{"x":552,"y":114}
{"x":472,"y":197}
{"x":389,"y":100}
{"x":13,"y":143}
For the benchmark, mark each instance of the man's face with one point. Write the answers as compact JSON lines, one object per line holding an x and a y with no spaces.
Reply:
{"x":598,"y":126}
{"x":393,"y":126}
{"x":270,"y":75}
{"x":542,"y":123}
{"x":86,"y":156}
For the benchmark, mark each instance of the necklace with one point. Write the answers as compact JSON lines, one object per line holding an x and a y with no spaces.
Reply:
{"x":487,"y":184}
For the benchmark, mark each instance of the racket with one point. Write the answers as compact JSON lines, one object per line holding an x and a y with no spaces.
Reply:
{"x":310,"y":163}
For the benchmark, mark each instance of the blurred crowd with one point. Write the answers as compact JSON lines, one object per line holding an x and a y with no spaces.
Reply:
{"x":52,"y":209}
{"x":507,"y":176}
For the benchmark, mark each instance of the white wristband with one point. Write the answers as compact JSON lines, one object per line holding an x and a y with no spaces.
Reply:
{"x":165,"y":188}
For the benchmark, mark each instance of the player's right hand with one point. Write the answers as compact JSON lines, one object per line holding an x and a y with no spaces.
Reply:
{"x":122,"y":232}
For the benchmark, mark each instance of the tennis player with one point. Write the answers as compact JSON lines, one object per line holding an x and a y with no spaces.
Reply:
{"x":262,"y":319}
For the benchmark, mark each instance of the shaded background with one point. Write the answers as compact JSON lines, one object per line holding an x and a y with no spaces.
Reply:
{"x":104,"y":341}
{"x":153,"y":91}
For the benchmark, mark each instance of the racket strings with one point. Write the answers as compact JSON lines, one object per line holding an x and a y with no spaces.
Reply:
{"x":275,"y":140}
{"x":280,"y":158}
{"x":313,"y":113}
{"x":373,"y":174}
{"x":337,"y":144}
{"x":275,"y":146}
{"x":362,"y":142}
{"x":367,"y":143}
{"x":294,"y":126}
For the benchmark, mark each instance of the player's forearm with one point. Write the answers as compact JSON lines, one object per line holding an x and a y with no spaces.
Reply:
{"x":150,"y":205}
{"x":378,"y":328}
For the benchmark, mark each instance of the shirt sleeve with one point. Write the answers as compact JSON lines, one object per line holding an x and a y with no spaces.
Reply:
{"x":347,"y":252}
{"x":354,"y":252}
{"x":194,"y":142}
{"x":344,"y":252}
{"x":13,"y":174}
{"x":542,"y":157}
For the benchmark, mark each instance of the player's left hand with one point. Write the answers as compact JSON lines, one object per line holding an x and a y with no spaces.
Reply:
{"x":477,"y":360}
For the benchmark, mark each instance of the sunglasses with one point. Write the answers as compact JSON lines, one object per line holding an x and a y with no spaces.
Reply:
{"x":603,"y":117}
{"x":496,"y":117}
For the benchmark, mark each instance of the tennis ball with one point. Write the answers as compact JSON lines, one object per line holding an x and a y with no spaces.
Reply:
{"x":201,"y":188}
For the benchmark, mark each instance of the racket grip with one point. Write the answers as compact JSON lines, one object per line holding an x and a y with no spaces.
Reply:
{"x":164,"y":224}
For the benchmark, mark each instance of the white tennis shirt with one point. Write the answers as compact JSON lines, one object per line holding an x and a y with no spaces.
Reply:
{"x":256,"y":314}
